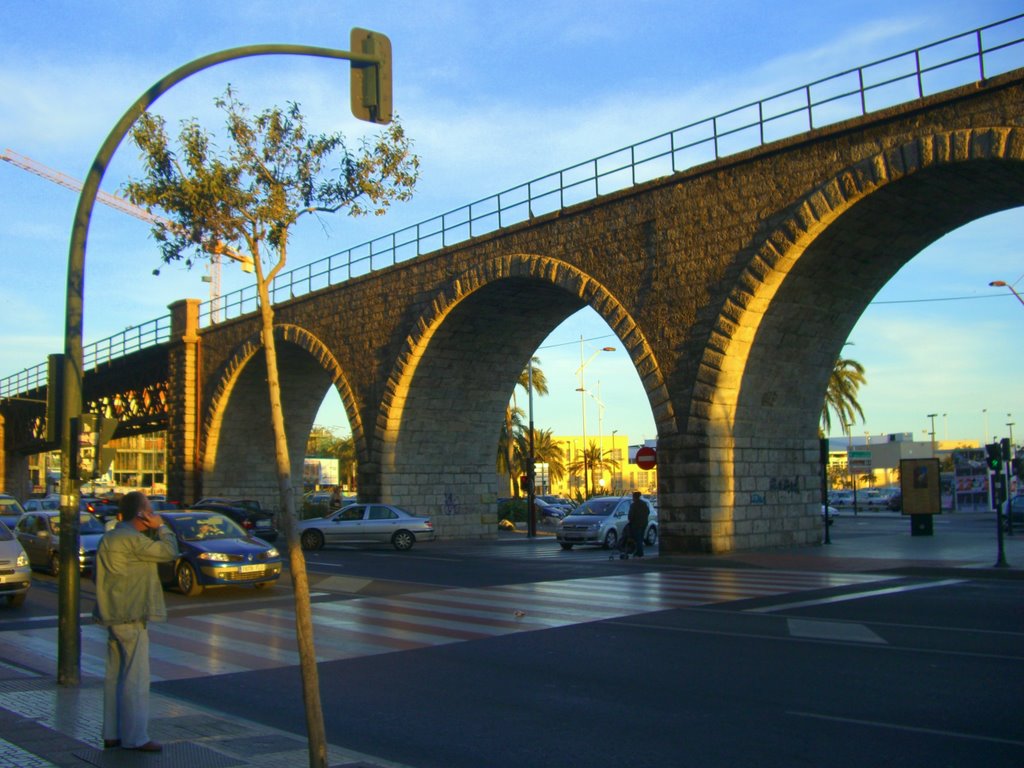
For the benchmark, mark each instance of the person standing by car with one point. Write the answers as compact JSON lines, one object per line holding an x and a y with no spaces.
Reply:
{"x":638,"y":514}
{"x":128,"y":596}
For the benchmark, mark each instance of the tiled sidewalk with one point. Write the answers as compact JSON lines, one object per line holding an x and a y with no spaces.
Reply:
{"x":43,"y":725}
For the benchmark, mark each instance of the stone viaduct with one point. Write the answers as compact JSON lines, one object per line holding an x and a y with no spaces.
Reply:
{"x":733,"y":285}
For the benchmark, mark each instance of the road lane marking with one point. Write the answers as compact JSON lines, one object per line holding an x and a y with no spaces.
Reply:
{"x":854,"y":596}
{"x":909,"y":728}
{"x":846,"y":631}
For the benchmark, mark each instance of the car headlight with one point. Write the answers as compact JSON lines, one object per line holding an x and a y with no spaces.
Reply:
{"x":272,"y":552}
{"x":22,"y":561}
{"x":219,"y":557}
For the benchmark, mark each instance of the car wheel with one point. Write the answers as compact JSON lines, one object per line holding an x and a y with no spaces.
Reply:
{"x":652,"y":536}
{"x":565,"y":545}
{"x":265,"y":584}
{"x":55,"y":563}
{"x":403,"y":540}
{"x":312,"y":539}
{"x":15,"y":601}
{"x":611,"y":539}
{"x":188,"y":581}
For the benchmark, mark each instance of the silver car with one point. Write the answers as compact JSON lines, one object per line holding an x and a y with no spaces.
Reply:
{"x":363,"y":523}
{"x":39,"y":534}
{"x":601,"y":520}
{"x":15,"y":572}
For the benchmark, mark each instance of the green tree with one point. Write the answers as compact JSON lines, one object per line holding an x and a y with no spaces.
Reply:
{"x":322,"y":442}
{"x":841,"y":396}
{"x":248,"y":198}
{"x":545,"y":451}
{"x":513,"y":426}
{"x":593,"y":460}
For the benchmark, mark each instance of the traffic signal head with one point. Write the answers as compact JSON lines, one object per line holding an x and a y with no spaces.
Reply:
{"x":1004,"y":448}
{"x":370,"y":84}
{"x":994,"y":454}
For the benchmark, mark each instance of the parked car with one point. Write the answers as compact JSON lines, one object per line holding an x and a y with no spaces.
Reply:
{"x":39,"y":534}
{"x":15,"y":571}
{"x":1015,"y":512}
{"x":558,"y":502}
{"x":601,"y":520}
{"x":361,"y":523}
{"x":10,"y":510}
{"x":548,"y":513}
{"x":895,"y":502}
{"x":48,"y":502}
{"x":833,"y":513}
{"x":257,"y":522}
{"x":253,"y":505}
{"x":840,"y":498}
{"x":100,"y":506}
{"x":214,"y":550}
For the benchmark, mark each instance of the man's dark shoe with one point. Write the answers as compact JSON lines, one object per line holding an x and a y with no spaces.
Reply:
{"x":111,"y":743}
{"x":149,"y":746}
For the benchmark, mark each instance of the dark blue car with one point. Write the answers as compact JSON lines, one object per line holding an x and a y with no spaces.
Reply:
{"x":216,"y":551}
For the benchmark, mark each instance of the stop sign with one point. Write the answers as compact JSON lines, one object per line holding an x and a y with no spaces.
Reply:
{"x":646,"y":458}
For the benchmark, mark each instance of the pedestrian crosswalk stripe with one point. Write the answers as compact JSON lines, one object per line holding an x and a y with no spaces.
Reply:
{"x":206,"y":644}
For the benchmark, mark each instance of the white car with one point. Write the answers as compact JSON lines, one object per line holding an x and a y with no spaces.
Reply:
{"x":366,"y":523}
{"x":15,"y":572}
{"x":601,"y":520}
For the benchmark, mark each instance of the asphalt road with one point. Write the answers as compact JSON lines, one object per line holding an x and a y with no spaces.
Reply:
{"x":907,"y":672}
{"x":918,"y":673}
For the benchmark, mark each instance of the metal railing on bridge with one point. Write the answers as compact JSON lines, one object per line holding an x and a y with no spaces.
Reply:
{"x":954,"y":61}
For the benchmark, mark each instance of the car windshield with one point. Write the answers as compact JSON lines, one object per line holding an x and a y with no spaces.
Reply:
{"x":200,"y":527}
{"x":597,"y":507}
{"x":86,"y":524}
{"x":10,"y":506}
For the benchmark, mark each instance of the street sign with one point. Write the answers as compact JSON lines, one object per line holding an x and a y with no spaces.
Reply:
{"x":859,"y":461}
{"x":646,"y":458}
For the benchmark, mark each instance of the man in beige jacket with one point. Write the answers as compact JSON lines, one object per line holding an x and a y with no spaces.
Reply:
{"x":128,"y":596}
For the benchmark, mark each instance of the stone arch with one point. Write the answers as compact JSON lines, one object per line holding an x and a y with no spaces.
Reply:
{"x":317,"y":357}
{"x":552,"y":281}
{"x":763,"y":324}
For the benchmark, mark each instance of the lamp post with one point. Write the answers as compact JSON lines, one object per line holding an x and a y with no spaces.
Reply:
{"x":1004,"y":284}
{"x":849,"y":466}
{"x":371,"y":100}
{"x":932,"y":417}
{"x":531,"y":468}
{"x":600,"y":432}
{"x":615,"y":486}
{"x":583,"y":406}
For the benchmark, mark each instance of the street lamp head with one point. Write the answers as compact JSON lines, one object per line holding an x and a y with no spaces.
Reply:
{"x":998,"y":284}
{"x":607,"y":349}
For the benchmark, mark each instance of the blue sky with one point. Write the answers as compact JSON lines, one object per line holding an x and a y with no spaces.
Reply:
{"x":494,"y":94}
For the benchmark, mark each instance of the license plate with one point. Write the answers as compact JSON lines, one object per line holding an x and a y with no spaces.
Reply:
{"x":250,"y":568}
{"x":263,"y":524}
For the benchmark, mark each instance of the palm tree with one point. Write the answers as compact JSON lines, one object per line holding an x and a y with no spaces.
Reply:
{"x":841,"y":396}
{"x":513,"y":425}
{"x":545,"y":451}
{"x":511,"y":428}
{"x":593,"y":459}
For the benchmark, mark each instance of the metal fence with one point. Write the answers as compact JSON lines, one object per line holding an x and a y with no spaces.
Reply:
{"x":954,"y":61}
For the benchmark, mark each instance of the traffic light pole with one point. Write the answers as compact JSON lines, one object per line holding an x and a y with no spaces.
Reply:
{"x":370,"y":77}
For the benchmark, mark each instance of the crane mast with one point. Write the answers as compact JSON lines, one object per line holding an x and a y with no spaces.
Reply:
{"x":124,"y":206}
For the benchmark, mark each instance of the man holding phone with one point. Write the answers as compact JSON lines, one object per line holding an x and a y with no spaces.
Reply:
{"x":128,"y":596}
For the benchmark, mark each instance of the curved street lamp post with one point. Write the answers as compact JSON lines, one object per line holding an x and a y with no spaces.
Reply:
{"x":583,"y":405}
{"x":371,"y":100}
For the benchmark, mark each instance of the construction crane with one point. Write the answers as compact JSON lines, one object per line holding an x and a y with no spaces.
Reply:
{"x":120,"y":204}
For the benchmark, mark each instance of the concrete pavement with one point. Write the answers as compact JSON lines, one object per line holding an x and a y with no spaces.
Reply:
{"x":44,"y":725}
